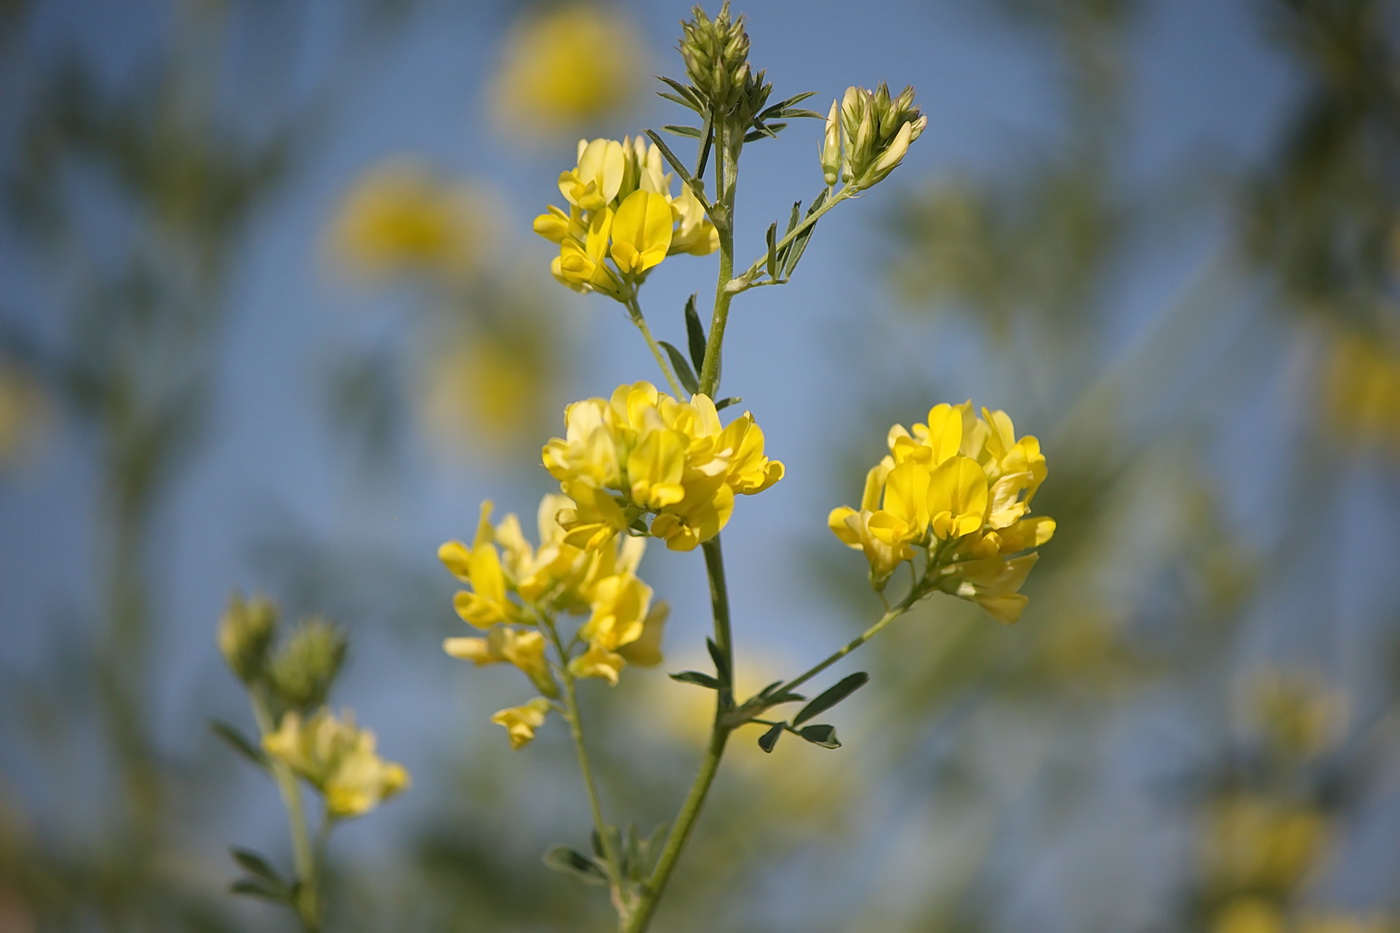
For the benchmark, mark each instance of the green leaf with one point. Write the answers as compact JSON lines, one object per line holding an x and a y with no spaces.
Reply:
{"x":695,"y":677}
{"x":822,"y":735}
{"x":690,"y":132}
{"x":614,"y":836}
{"x":255,"y":864}
{"x":770,"y":130}
{"x":706,"y":141}
{"x":772,"y":237}
{"x":694,"y":334}
{"x":674,"y":161}
{"x":683,"y":370}
{"x":831,"y":696}
{"x":722,"y":663}
{"x":687,"y":95}
{"x":792,"y":222}
{"x":252,"y":887}
{"x":240,"y":744}
{"x":799,"y":113}
{"x":799,"y":243}
{"x":767,"y":740}
{"x":784,"y":104}
{"x":562,"y":858}
{"x":724,"y":403}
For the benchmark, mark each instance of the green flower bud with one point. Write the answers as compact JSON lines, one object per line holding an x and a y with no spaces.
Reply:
{"x":303,"y":671}
{"x":716,"y":53}
{"x":245,"y":636}
{"x":831,"y":146}
{"x":878,"y":132}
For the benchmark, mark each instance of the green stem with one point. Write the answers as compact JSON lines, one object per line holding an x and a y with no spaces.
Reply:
{"x":635,"y":311}
{"x":745,"y":281}
{"x":651,"y":892}
{"x":308,"y":905}
{"x":724,"y":191}
{"x":847,"y":648}
{"x":571,"y":713}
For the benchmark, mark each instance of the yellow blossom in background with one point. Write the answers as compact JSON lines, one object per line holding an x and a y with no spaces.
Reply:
{"x":1360,"y":391}
{"x":1313,"y":922}
{"x":959,"y":490}
{"x":23,"y":412}
{"x":1296,"y":712}
{"x":403,"y":218}
{"x":1248,"y":915}
{"x":338,"y":759}
{"x":1257,"y":843}
{"x":485,"y":391}
{"x":620,"y":208}
{"x":571,"y":66}
{"x":642,"y":452}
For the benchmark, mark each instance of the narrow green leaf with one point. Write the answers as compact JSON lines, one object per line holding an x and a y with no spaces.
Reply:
{"x":822,"y":735}
{"x":761,"y":130}
{"x":792,"y":221}
{"x":785,"y":698}
{"x":683,"y":370}
{"x":831,"y":696}
{"x":690,"y":132}
{"x":799,"y":113}
{"x":694,"y":334}
{"x":772,"y":237}
{"x":252,"y":887}
{"x":695,"y":677}
{"x":240,"y":744}
{"x":799,"y":243}
{"x":722,"y":663}
{"x":674,"y":99}
{"x":255,"y":864}
{"x":562,"y":858}
{"x":724,"y":403}
{"x":767,"y":740}
{"x":707,"y":140}
{"x":784,"y":104}
{"x":674,"y":161}
{"x":689,"y":97}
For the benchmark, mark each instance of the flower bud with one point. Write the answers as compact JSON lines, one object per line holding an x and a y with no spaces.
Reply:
{"x":831,"y":146}
{"x":245,"y":635}
{"x":303,"y":671}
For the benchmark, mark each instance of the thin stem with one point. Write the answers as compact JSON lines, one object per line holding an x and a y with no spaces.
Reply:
{"x":745,"y":281}
{"x":571,"y":711}
{"x":845,"y":649}
{"x":724,"y":190}
{"x":634,"y":309}
{"x":308,"y":905}
{"x":651,"y":892}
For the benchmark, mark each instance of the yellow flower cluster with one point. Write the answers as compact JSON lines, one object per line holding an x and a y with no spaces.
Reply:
{"x":643,"y":452}
{"x":620,"y":209}
{"x":959,"y":488}
{"x":516,"y":591}
{"x":338,"y":759}
{"x":1361,"y":392}
{"x":1253,"y":842}
{"x":554,"y":77}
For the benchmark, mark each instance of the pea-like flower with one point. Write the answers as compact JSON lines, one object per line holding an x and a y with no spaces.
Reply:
{"x":957,"y":489}
{"x":620,"y":208}
{"x":517,"y":593}
{"x":338,"y":759}
{"x":643,"y":453}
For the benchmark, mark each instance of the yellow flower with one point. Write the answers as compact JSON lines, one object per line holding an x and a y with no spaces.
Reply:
{"x":337,"y":759}
{"x":576,"y":64}
{"x":1258,"y":843}
{"x":641,"y":232}
{"x":525,"y":650}
{"x":643,"y":452}
{"x":1248,"y":915}
{"x":402,"y":217}
{"x":484,"y":391}
{"x":1360,"y":391}
{"x":520,"y":722}
{"x":1297,"y":713}
{"x":957,"y":488}
{"x":620,"y":207}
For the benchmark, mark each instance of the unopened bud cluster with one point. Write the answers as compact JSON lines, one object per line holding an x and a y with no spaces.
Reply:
{"x":299,"y":675}
{"x":716,"y":54}
{"x":867,"y":134}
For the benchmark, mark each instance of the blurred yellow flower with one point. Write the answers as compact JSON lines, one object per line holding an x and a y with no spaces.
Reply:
{"x":571,"y":66}
{"x":483,"y":392}
{"x":1248,"y":915}
{"x":23,"y":412}
{"x":1360,"y":391}
{"x":958,"y":488}
{"x":1296,"y":712}
{"x":403,"y":218}
{"x":338,"y":759}
{"x":643,"y":452}
{"x":520,"y":722}
{"x":1254,"y":842}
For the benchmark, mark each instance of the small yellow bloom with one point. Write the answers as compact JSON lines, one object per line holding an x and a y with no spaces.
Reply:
{"x":338,"y":759}
{"x":520,"y":722}
{"x":1360,"y":392}
{"x":641,"y":232}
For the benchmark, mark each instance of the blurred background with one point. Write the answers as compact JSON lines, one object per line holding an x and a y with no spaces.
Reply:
{"x":272,"y":320}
